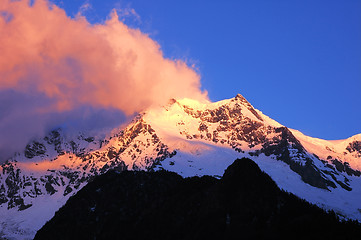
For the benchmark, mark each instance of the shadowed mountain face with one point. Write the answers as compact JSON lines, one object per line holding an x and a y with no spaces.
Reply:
{"x":244,"y":204}
{"x":187,"y":137}
{"x":56,"y":164}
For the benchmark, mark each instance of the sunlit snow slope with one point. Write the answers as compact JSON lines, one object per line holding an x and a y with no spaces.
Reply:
{"x":190,"y":138}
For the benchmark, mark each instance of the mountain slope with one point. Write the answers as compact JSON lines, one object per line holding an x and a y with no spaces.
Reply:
{"x":187,"y":137}
{"x":245,"y":203}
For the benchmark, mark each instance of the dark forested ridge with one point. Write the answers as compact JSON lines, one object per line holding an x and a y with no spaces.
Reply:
{"x":244,"y":204}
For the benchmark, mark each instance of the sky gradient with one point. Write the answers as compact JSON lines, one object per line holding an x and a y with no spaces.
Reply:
{"x":297,"y":61}
{"x":91,"y":64}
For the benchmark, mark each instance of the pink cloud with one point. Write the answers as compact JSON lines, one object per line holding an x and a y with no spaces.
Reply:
{"x":73,"y":63}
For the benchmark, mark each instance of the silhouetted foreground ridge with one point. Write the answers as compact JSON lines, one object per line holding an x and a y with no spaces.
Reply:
{"x":244,"y":204}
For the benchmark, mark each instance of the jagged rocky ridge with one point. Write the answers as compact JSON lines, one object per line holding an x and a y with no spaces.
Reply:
{"x":76,"y":162}
{"x":234,"y":129}
{"x":58,"y":167}
{"x":245,"y":203}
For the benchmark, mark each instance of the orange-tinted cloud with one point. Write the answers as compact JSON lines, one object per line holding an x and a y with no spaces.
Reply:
{"x":53,"y":68}
{"x":74,"y":62}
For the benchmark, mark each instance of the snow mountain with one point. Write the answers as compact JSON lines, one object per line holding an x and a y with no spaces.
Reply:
{"x":187,"y":137}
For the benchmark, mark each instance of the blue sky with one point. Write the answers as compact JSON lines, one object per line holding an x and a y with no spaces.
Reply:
{"x":297,"y":61}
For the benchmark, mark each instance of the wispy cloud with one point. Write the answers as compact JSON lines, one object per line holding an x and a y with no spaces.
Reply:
{"x":128,"y":12}
{"x":84,"y":8}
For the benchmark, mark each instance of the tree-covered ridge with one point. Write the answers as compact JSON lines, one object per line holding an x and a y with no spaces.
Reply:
{"x":245,"y":203}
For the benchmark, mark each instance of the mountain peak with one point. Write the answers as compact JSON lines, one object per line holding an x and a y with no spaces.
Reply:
{"x":244,"y":102}
{"x":190,"y":137}
{"x":239,"y":96}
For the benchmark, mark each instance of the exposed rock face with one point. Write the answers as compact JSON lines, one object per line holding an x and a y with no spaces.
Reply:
{"x":244,"y":102}
{"x":354,"y":147}
{"x":79,"y":163}
{"x":285,"y":147}
{"x":34,"y":149}
{"x":57,"y":166}
{"x":231,"y":125}
{"x":235,"y":123}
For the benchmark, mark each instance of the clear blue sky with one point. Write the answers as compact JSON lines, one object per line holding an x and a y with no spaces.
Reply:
{"x":297,"y":61}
